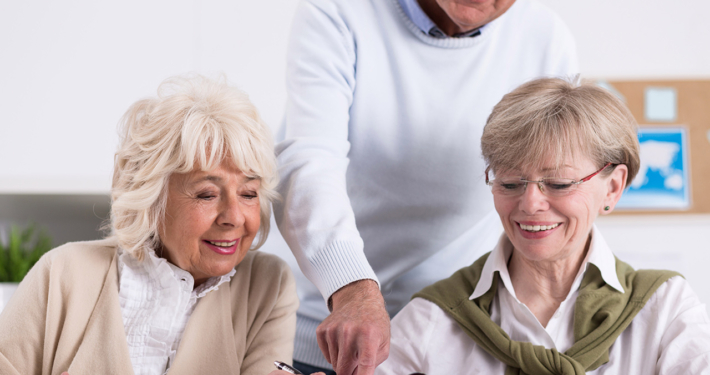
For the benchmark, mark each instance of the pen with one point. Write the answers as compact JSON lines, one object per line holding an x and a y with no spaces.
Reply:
{"x":284,"y":367}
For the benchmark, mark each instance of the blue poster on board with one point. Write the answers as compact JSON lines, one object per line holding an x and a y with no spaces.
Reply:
{"x":662,"y":181}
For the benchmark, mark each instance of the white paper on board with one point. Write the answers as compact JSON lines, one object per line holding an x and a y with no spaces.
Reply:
{"x":661,"y":104}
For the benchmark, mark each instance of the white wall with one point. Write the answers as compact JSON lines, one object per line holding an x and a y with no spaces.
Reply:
{"x":638,"y":39}
{"x":69,"y":69}
{"x":676,"y":242}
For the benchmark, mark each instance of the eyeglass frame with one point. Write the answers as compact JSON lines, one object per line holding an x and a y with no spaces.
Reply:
{"x":540,"y":182}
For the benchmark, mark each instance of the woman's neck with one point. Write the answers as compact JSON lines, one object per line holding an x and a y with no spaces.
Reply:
{"x":543,"y":285}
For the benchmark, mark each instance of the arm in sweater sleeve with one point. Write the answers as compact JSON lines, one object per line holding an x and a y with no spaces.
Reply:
{"x":22,"y":324}
{"x":315,"y":215}
{"x":271,"y":335}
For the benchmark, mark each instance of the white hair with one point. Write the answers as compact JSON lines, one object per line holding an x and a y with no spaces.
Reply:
{"x":194,"y":122}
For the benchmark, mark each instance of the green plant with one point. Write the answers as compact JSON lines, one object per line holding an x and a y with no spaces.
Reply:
{"x":22,"y":250}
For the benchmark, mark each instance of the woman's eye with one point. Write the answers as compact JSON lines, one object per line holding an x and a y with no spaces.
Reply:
{"x":206,"y":196}
{"x":510,"y":185}
{"x":250,"y":195}
{"x":558,"y":185}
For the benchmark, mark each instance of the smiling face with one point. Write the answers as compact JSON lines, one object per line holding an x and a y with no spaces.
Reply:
{"x":457,"y":16}
{"x":211,"y":219}
{"x":550,"y":229}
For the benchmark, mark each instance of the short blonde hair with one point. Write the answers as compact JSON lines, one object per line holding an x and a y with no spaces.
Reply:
{"x":553,"y":118}
{"x":194,"y":122}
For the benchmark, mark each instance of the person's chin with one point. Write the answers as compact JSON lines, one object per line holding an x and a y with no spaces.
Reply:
{"x":470,"y":23}
{"x":219,"y":269}
{"x":227,"y":263}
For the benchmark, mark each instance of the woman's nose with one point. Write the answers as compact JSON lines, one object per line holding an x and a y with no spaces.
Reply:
{"x":533,"y":200}
{"x":231,"y":213}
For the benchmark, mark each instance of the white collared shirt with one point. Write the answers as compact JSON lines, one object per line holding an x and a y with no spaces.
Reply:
{"x":157,"y":299}
{"x":670,"y":335}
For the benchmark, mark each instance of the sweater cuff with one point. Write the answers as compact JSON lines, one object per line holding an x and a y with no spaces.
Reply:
{"x":339,"y":264}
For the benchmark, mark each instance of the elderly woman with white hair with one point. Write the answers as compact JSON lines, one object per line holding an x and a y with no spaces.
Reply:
{"x":174,"y":288}
{"x":551,"y":298}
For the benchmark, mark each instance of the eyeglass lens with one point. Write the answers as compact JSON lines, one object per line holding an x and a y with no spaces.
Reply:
{"x":549,"y":186}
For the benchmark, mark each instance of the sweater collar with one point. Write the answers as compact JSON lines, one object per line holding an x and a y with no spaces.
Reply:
{"x":599,"y":254}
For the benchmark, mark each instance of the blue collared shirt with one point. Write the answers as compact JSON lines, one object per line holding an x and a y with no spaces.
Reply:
{"x":416,"y":14}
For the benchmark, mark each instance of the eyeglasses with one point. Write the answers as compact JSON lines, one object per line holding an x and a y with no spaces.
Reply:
{"x":550,"y":186}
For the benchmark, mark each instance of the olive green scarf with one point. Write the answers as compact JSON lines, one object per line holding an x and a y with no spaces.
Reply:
{"x":601,"y":314}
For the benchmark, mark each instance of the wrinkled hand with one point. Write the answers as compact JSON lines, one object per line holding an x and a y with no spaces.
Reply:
{"x":355,"y":338}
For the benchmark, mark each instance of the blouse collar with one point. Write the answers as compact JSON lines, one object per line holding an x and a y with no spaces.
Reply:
{"x":167,"y":273}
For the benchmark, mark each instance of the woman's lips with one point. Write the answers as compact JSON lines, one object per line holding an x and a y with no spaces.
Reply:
{"x":223,"y":247}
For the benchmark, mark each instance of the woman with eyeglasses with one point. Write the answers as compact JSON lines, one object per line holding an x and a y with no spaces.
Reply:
{"x":551,"y":298}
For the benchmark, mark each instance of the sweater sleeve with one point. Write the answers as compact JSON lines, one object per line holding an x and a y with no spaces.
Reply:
{"x":22,"y":324}
{"x":271,"y":336}
{"x":315,"y":216}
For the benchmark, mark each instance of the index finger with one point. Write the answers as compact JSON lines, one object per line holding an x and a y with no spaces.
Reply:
{"x":368,"y":350}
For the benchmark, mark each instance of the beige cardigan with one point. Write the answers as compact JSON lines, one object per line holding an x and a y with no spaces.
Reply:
{"x":65,"y":316}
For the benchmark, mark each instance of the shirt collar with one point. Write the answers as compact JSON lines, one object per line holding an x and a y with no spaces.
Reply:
{"x":415,"y":12}
{"x":599,"y":254}
{"x":166,"y":273}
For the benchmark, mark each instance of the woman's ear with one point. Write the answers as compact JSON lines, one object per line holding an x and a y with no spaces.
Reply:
{"x":615,"y":184}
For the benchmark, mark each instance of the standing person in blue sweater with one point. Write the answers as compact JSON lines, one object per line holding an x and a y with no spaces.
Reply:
{"x":382,"y":179}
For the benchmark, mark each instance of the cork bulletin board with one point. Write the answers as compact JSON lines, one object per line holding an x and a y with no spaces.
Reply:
{"x":691,"y":111}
